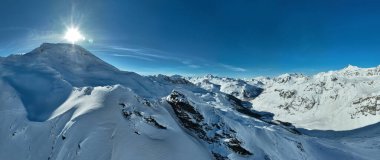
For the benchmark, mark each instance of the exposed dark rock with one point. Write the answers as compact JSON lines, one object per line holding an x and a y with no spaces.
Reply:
{"x":238,"y":104}
{"x":266,"y":157}
{"x":287,"y":94}
{"x":366,"y":106}
{"x":152,"y":121}
{"x":122,"y":105}
{"x":219,"y":157}
{"x":286,"y":125}
{"x":146,"y":102}
{"x":126,"y":114}
{"x":137,"y":113}
{"x":300,"y":147}
{"x":235,"y":145}
{"x":88,"y":90}
{"x":188,"y":116}
{"x":252,"y":92}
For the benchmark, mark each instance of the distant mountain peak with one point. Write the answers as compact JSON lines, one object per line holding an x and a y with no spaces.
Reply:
{"x":351,"y":67}
{"x":47,"y":45}
{"x":65,"y":49}
{"x":210,"y":76}
{"x":71,"y":62}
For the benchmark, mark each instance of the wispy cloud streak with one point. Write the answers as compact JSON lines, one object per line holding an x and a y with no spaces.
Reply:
{"x":233,"y":68}
{"x":149,"y":54}
{"x":133,"y":56}
{"x":190,"y":64}
{"x":146,"y":52}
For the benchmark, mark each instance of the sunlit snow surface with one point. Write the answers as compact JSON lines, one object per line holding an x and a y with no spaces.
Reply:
{"x":61,"y":102}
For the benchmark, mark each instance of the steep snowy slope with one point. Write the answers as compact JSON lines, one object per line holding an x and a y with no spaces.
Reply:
{"x":61,"y":102}
{"x":335,"y":100}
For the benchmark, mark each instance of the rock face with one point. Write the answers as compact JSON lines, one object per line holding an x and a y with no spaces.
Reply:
{"x":366,"y":106}
{"x":61,"y":102}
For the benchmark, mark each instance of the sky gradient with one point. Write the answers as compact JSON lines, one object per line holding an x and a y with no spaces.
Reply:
{"x":240,"y":38}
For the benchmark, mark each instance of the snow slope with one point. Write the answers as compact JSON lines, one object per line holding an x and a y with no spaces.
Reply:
{"x":61,"y":102}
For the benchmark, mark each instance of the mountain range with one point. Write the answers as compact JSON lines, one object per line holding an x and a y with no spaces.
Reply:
{"x":336,"y":100}
{"x":61,"y":102}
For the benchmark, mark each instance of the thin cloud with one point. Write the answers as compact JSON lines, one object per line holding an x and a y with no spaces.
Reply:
{"x":234,"y":68}
{"x":186,"y":62}
{"x":142,"y":54}
{"x":193,"y":66}
{"x":145,"y":52}
{"x":190,"y":64}
{"x":16,"y":29}
{"x":132,"y":56}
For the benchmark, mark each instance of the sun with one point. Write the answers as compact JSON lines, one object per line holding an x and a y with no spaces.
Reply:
{"x":73,"y":35}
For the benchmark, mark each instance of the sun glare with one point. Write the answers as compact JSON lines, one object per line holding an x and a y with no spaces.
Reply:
{"x":73,"y":35}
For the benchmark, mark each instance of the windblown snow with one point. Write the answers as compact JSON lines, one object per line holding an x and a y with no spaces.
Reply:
{"x":60,"y":102}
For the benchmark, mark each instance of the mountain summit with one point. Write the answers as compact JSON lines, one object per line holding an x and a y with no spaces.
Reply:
{"x":62,"y":55}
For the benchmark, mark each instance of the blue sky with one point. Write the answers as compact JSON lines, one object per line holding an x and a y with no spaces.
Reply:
{"x":240,"y":38}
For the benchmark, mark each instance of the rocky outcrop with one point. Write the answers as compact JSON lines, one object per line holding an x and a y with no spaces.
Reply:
{"x":130,"y":112}
{"x":366,"y":106}
{"x":220,"y":137}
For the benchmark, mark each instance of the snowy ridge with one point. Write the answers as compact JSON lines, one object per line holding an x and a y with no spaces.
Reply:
{"x":61,"y":102}
{"x":236,"y":87}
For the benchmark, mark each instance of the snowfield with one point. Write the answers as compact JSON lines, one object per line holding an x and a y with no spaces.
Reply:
{"x":60,"y":102}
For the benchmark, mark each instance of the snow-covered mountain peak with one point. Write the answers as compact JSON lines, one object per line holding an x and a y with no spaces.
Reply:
{"x":210,"y":76}
{"x":71,"y":64}
{"x":351,"y":68}
{"x":57,"y":48}
{"x":351,"y":72}
{"x":65,"y":55}
{"x":290,"y":77}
